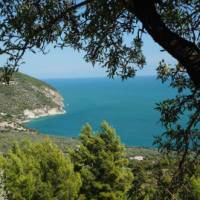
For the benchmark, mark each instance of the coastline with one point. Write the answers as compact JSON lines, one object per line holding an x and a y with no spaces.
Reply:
{"x":42,"y":115}
{"x":18,"y":124}
{"x":55,"y":96}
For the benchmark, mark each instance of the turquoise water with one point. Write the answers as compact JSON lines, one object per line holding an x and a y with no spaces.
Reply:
{"x":127,"y":105}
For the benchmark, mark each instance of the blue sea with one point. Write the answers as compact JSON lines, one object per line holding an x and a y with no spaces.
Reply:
{"x":127,"y":105}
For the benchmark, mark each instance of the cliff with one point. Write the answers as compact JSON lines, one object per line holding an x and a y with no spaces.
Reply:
{"x":27,"y":98}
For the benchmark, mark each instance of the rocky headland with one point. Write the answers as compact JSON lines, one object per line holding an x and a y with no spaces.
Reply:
{"x":25,"y":99}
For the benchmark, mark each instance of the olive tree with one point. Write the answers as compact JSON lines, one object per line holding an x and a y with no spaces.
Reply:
{"x":100,"y":29}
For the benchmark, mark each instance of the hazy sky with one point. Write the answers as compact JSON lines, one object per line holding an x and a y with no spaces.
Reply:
{"x":67,"y":63}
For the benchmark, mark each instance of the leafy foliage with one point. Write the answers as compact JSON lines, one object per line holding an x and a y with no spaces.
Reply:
{"x":39,"y":171}
{"x":182,"y":17}
{"x":100,"y":170}
{"x":152,"y":181}
{"x":196,"y":187}
{"x":101,"y":161}
{"x":144,"y":183}
{"x":180,"y":117}
{"x":100,"y":28}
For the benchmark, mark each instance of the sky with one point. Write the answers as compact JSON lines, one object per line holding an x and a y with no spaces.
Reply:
{"x":67,"y":63}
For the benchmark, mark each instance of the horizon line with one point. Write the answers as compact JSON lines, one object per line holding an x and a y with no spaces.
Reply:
{"x":96,"y":77}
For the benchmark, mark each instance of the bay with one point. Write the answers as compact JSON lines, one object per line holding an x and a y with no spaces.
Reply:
{"x":127,"y":105}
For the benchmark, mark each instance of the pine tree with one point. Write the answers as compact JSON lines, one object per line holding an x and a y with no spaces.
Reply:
{"x":39,"y":171}
{"x":101,"y":161}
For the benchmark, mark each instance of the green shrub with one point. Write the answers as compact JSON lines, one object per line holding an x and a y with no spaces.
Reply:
{"x":39,"y":171}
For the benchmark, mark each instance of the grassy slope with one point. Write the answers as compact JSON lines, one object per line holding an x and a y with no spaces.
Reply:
{"x":25,"y":93}
{"x":7,"y":138}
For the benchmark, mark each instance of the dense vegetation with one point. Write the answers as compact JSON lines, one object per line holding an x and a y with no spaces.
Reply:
{"x":39,"y":171}
{"x":100,"y":29}
{"x":100,"y":160}
{"x":23,"y":92}
{"x":180,"y":117}
{"x":96,"y":168}
{"x":10,"y":136}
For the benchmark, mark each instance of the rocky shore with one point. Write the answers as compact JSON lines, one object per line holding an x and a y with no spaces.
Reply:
{"x":11,"y":121}
{"x":46,"y":110}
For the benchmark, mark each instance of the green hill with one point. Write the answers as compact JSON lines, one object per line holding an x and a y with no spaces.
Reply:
{"x":26,"y":98}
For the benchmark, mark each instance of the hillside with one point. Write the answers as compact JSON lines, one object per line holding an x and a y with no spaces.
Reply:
{"x":27,"y":98}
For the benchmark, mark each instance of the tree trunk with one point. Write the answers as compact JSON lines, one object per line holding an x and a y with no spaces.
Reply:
{"x":187,"y":53}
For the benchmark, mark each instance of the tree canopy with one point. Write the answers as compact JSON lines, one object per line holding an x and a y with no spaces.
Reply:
{"x":180,"y":117}
{"x":97,"y":169}
{"x":100,"y":28}
{"x":101,"y":161}
{"x":39,"y":171}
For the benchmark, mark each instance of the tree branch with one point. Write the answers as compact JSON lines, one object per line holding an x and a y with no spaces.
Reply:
{"x":187,"y":53}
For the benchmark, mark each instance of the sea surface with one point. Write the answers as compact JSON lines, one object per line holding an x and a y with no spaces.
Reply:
{"x":127,"y":105}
